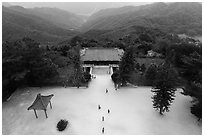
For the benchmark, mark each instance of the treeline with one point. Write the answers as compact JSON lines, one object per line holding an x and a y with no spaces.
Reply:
{"x":24,"y":63}
{"x":182,"y":67}
{"x":143,"y":38}
{"x":27,"y":63}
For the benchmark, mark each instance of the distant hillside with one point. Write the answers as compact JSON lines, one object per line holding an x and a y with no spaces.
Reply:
{"x":53,"y":25}
{"x":18,"y":22}
{"x":6,"y":4}
{"x":115,"y":34}
{"x":172,"y":18}
{"x":60,"y":18}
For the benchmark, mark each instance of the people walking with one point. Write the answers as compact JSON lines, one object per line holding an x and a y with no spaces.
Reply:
{"x":103,"y":118}
{"x":103,"y":130}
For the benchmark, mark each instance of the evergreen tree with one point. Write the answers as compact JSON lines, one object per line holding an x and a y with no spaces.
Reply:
{"x":115,"y":78}
{"x":78,"y":75}
{"x":192,"y":72}
{"x":161,"y":46}
{"x":194,"y":90}
{"x":87,"y":76}
{"x":127,"y":65}
{"x":164,"y":88}
{"x":24,"y":63}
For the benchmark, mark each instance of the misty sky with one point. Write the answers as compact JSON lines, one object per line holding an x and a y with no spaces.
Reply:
{"x":84,"y":8}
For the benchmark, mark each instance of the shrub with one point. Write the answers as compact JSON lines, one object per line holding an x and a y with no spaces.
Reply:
{"x":62,"y":124}
{"x":137,"y":79}
{"x":150,"y":74}
{"x":115,"y":76}
{"x":87,"y":76}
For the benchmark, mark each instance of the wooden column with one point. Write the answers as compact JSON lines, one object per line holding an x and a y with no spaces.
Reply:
{"x":45,"y":113}
{"x":35,"y":113}
{"x":50,"y":105}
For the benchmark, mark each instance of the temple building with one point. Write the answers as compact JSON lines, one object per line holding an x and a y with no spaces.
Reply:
{"x":100,"y":57}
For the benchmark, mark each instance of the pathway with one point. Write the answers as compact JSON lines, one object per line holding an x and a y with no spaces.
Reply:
{"x":98,"y":86}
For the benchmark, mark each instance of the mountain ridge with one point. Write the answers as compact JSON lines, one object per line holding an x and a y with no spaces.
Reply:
{"x":179,"y":15}
{"x":59,"y":17}
{"x":18,"y":24}
{"x":53,"y":24}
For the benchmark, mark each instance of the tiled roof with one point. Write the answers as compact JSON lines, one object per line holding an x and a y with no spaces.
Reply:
{"x":101,"y":54}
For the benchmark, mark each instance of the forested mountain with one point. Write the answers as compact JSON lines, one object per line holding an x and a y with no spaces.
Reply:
{"x":115,"y":34}
{"x":40,"y":24}
{"x":6,"y":4}
{"x":60,"y":18}
{"x":168,"y":17}
{"x":53,"y":25}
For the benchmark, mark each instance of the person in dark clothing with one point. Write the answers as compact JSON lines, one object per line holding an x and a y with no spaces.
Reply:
{"x":103,"y":130}
{"x":99,"y":107}
{"x":106,"y":91}
{"x":102,"y":118}
{"x":108,"y":111}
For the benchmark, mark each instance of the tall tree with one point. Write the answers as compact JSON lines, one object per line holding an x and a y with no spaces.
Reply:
{"x":192,"y":72}
{"x":164,"y":88}
{"x":161,"y":46}
{"x":77,"y":76}
{"x":24,"y":63}
{"x":127,"y":65}
{"x":115,"y":78}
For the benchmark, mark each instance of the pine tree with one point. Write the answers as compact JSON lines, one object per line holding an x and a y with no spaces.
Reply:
{"x":164,"y":88}
{"x":192,"y":72}
{"x":115,"y":78}
{"x":77,"y":76}
{"x":194,"y":90}
{"x":25,"y":63}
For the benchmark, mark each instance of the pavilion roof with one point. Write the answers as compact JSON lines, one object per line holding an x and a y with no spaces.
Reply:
{"x":41,"y":102}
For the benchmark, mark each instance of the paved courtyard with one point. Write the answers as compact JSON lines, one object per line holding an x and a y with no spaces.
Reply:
{"x":131,"y":111}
